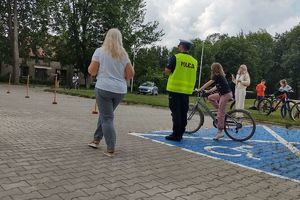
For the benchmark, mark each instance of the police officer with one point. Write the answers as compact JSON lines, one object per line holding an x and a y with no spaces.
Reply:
{"x":182,"y":69}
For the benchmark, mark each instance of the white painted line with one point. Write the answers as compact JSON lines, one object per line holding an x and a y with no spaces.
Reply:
{"x":291,"y":147}
{"x":211,"y":138}
{"x":215,"y":158}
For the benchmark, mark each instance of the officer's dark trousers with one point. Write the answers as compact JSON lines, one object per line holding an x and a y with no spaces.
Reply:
{"x":179,"y":105}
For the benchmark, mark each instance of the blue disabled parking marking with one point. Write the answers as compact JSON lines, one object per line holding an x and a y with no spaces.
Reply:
{"x":273,"y":150}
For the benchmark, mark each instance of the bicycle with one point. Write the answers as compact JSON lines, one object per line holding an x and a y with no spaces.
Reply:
{"x":295,"y":112}
{"x":239,"y":124}
{"x":271,"y":104}
{"x":264,"y":104}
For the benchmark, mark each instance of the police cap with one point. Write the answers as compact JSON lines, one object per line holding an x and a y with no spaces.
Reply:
{"x":186,"y":43}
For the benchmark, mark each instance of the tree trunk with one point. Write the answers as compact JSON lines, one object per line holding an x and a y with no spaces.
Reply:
{"x":16,"y":67}
{"x":10,"y":31}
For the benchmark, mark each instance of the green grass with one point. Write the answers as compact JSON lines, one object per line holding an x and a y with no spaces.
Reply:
{"x":274,"y":117}
{"x":162,"y":101}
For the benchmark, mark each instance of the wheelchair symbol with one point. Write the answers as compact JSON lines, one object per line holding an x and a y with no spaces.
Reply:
{"x":244,"y":149}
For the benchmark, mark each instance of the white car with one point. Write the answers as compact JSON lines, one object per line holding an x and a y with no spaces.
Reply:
{"x":148,"y":88}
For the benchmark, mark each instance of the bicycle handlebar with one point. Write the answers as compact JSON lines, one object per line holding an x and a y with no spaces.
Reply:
{"x":200,"y":93}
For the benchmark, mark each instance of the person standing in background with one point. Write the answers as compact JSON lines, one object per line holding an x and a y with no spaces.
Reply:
{"x":241,"y":81}
{"x":75,"y":81}
{"x":57,"y":79}
{"x":261,"y":88}
{"x":111,"y":65}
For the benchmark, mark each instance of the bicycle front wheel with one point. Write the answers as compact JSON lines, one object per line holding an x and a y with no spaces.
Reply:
{"x":239,"y":125}
{"x":295,"y":112}
{"x":195,"y":119}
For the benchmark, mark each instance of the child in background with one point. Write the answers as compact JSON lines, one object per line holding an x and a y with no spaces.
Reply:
{"x":284,"y":89}
{"x":260,"y":88}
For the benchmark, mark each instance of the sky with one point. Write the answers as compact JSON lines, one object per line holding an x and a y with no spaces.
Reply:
{"x":190,"y":19}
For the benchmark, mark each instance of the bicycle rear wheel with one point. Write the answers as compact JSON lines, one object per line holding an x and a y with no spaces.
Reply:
{"x":195,"y":119}
{"x":286,"y":108}
{"x":295,"y":112}
{"x":239,"y":125}
{"x":265,"y":106}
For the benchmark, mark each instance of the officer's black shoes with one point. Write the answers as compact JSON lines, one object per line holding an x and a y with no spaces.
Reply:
{"x":173,"y":138}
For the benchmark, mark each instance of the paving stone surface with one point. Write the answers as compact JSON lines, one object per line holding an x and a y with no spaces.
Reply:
{"x":44,"y":155}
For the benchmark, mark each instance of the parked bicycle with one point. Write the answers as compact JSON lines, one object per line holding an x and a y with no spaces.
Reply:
{"x":271,"y":104}
{"x":295,"y":112}
{"x":239,"y":124}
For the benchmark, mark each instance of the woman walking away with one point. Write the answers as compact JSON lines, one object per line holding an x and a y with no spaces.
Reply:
{"x":241,"y":81}
{"x":111,"y":65}
{"x":220,"y":99}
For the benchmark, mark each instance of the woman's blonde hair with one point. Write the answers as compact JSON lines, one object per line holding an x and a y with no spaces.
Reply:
{"x":216,"y":69}
{"x":244,"y":67}
{"x":113,"y":44}
{"x":283,"y":81}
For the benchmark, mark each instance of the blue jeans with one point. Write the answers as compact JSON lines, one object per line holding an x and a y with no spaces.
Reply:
{"x":259,"y":97}
{"x":107,"y":102}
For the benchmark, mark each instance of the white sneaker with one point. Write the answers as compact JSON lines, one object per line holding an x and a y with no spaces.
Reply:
{"x":218,"y":135}
{"x":93,"y":144}
{"x":109,"y":153}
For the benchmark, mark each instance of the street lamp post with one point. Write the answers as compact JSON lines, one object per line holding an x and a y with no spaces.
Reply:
{"x":200,"y":70}
{"x":136,"y":48}
{"x":131,"y":86}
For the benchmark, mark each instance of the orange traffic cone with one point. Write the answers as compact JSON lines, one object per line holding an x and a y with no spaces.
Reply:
{"x":55,"y":85}
{"x":8,"y":84}
{"x":95,"y":109}
{"x":27,"y":88}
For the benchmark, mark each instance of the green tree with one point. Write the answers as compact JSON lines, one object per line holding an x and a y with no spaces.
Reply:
{"x":24,"y":23}
{"x":11,"y":16}
{"x":34,"y":27}
{"x":4,"y":40}
{"x":291,"y":58}
{"x":208,"y":58}
{"x":149,"y":66}
{"x":263,"y":43}
{"x":82,"y":25}
{"x":231,"y":52}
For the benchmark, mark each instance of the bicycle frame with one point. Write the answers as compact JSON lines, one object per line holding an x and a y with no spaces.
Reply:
{"x":204,"y":108}
{"x":282,"y":99}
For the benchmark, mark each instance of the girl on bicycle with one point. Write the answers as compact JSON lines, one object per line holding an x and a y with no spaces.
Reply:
{"x":220,"y":99}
